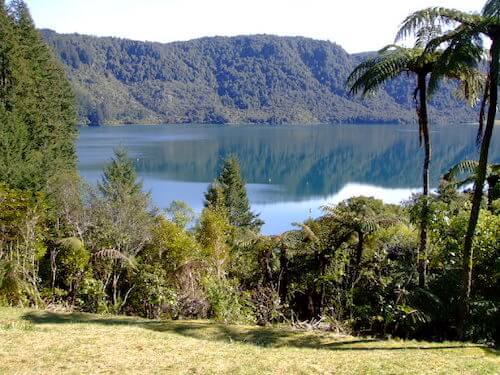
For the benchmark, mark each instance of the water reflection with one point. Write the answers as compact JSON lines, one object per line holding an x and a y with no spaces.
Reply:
{"x":291,"y":170}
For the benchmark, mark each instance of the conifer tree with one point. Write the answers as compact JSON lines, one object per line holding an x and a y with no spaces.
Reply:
{"x":38,"y":129}
{"x":119,"y":179}
{"x":13,"y":133}
{"x":229,"y":191}
{"x":122,"y":218}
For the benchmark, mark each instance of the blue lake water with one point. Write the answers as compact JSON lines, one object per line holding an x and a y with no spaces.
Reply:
{"x":291,"y":171}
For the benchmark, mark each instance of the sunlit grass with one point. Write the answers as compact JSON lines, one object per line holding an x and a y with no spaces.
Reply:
{"x":39,"y":342}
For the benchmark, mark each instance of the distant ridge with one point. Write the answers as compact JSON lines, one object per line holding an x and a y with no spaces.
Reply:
{"x":245,"y":79}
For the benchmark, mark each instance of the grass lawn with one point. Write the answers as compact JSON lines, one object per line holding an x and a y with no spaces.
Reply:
{"x":40,"y":342}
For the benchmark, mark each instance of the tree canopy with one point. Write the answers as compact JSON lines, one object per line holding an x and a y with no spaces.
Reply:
{"x":260,"y":79}
{"x":37,"y":111}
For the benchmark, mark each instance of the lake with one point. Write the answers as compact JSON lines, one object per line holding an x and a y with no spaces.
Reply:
{"x":291,"y":171}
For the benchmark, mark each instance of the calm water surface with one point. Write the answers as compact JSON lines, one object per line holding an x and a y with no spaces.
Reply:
{"x":291,"y":170}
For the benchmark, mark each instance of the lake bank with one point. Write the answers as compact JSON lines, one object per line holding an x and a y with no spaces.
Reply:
{"x":291,"y":170}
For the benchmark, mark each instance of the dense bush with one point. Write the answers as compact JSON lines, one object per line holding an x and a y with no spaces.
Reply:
{"x":355,"y":267}
{"x":228,"y":303}
{"x":106,"y":249}
{"x":246,"y":79}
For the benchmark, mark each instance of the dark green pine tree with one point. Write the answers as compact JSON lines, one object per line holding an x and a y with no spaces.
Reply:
{"x":119,"y":179}
{"x":14,"y":135}
{"x":228,"y":191}
{"x":37,"y":105}
{"x":7,"y":65}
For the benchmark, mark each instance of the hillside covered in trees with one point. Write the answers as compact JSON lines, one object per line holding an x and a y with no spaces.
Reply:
{"x":246,"y":79}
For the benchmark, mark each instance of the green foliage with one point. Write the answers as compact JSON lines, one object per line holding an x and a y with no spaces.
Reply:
{"x":228,"y":303}
{"x":122,"y":220}
{"x":153,"y":295}
{"x":368,"y":76}
{"x":171,"y":245}
{"x":180,"y":213}
{"x":119,"y":179}
{"x":213,"y":235}
{"x":245,"y":79}
{"x":122,"y":223}
{"x":105,"y":249}
{"x":72,"y":259}
{"x":91,"y":296}
{"x":266,"y":304}
{"x":36,"y":106}
{"x":22,"y":234}
{"x":11,"y":284}
{"x":228,"y":193}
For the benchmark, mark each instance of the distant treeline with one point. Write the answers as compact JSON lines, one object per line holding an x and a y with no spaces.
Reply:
{"x":246,"y":79}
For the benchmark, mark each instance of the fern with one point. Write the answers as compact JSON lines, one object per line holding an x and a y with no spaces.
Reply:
{"x":115,"y":254}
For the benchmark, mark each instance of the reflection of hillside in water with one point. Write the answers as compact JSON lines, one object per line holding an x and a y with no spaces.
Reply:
{"x":308,"y":161}
{"x":305,"y":161}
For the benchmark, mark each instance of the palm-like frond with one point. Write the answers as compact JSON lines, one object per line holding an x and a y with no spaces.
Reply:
{"x":308,"y":232}
{"x":465,"y":166}
{"x":461,"y":57}
{"x":491,"y":9}
{"x":114,"y":254}
{"x":369,"y":224}
{"x":368,"y":76}
{"x":471,"y":82}
{"x":246,"y":237}
{"x":495,"y":169}
{"x":426,"y":34}
{"x":468,"y":168}
{"x":435,"y":17}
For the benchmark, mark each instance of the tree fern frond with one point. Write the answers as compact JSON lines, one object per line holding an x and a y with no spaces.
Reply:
{"x":437,"y":17}
{"x":370,"y":224}
{"x":491,"y":9}
{"x":465,"y":166}
{"x":372,"y":73}
{"x":459,"y":60}
{"x":472,"y":83}
{"x":114,"y":254}
{"x":495,"y":169}
{"x":309,"y":234}
{"x":426,"y":34}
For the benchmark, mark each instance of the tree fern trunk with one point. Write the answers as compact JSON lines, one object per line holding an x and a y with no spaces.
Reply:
{"x":359,"y":249}
{"x":492,"y":182}
{"x":478,"y":190}
{"x":424,"y":219}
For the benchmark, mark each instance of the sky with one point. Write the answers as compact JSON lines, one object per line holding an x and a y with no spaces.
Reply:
{"x":356,"y":25}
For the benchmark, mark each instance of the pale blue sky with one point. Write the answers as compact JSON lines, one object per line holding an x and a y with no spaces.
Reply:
{"x":357,"y":25}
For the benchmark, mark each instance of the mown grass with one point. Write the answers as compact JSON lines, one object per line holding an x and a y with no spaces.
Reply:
{"x":40,"y":342}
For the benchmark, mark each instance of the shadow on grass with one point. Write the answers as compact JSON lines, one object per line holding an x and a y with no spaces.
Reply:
{"x":258,"y":336}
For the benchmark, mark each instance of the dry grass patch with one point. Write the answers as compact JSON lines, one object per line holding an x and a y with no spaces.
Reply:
{"x":40,"y":342}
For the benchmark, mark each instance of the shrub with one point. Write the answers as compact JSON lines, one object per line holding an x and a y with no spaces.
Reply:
{"x":152,"y":294}
{"x":91,"y":296}
{"x":266,"y":304}
{"x":227,"y":303}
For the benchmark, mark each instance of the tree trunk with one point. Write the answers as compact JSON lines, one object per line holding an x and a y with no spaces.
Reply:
{"x":492,"y":182}
{"x":360,"y":247}
{"x":478,"y":191}
{"x":355,"y":271}
{"x":424,"y":219}
{"x":322,"y":264}
{"x":266,"y":268}
{"x":283,"y":276}
{"x":53,"y":270}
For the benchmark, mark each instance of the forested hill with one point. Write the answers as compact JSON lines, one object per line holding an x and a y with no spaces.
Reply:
{"x":245,"y":79}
